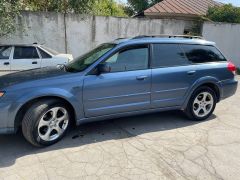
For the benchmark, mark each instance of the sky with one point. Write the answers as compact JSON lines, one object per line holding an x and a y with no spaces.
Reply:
{"x":234,"y":2}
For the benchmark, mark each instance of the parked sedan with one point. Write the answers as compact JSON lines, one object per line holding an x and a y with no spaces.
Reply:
{"x":23,"y":57}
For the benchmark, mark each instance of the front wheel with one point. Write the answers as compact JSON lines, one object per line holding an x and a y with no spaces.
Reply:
{"x":201,"y":104}
{"x":46,"y":122}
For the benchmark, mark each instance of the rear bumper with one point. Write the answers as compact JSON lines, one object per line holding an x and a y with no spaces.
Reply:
{"x":228,"y":88}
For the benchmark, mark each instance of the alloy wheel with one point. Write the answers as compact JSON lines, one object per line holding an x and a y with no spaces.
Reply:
{"x":53,"y":124}
{"x":203,"y":104}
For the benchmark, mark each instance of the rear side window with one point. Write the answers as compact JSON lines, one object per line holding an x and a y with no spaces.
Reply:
{"x":25,"y":53}
{"x":167,"y":55}
{"x":44,"y":54}
{"x":202,"y":54}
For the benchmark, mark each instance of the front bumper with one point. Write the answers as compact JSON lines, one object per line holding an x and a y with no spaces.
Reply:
{"x":5,"y":126}
{"x":228,"y":88}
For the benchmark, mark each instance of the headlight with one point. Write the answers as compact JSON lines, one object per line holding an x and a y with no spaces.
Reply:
{"x":2,"y":93}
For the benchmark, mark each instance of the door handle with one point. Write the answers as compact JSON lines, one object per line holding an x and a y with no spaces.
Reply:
{"x":6,"y":63}
{"x":34,"y":62}
{"x":191,"y":72}
{"x":141,"y":78}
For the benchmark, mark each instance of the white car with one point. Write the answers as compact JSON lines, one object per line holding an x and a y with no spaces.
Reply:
{"x":23,"y":57}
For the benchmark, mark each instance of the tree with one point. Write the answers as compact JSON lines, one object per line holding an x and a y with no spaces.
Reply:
{"x":94,"y":7}
{"x":9,"y":9}
{"x":226,"y":13}
{"x":108,"y":8}
{"x":65,"y":6}
{"x":136,"y":6}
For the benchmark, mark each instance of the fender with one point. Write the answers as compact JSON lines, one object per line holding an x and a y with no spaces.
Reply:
{"x":198,"y":83}
{"x":74,"y":100}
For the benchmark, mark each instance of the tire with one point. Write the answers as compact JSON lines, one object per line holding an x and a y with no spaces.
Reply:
{"x":46,"y":122}
{"x":201,"y":104}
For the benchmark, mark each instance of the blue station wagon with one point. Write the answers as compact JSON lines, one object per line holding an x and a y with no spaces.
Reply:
{"x":126,"y":77}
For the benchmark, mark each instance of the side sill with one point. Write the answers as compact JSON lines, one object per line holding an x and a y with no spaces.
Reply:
{"x":7,"y":131}
{"x":125,"y":114}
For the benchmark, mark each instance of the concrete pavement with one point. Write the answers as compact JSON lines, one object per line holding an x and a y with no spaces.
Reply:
{"x":157,"y":146}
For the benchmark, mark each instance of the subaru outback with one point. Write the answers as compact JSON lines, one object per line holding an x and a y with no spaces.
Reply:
{"x":122,"y":78}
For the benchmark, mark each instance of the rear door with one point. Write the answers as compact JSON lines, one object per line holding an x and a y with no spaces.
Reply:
{"x":25,"y":57}
{"x":126,"y":88}
{"x":5,"y":58}
{"x":172,"y":75}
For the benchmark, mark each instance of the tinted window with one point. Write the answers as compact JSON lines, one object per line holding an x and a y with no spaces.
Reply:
{"x":167,"y":55}
{"x":202,"y":54}
{"x":5,"y":52}
{"x":130,"y":59}
{"x":44,"y":54}
{"x":25,"y":53}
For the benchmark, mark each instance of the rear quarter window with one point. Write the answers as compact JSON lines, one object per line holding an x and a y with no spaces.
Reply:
{"x":202,"y":54}
{"x":168,"y":55}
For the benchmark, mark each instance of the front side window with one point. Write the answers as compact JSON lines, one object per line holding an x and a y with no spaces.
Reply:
{"x":83,"y":62}
{"x":5,"y":52}
{"x":202,"y":54}
{"x":25,"y":53}
{"x":168,"y":55}
{"x":44,"y":54}
{"x":135,"y":58}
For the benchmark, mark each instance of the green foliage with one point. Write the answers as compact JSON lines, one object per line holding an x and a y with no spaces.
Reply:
{"x":65,"y":6}
{"x":136,"y":6}
{"x":94,"y":7}
{"x":108,"y":8}
{"x":226,"y":13}
{"x":8,"y":11}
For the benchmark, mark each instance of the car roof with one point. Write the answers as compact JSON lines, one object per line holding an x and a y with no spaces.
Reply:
{"x":166,"y":40}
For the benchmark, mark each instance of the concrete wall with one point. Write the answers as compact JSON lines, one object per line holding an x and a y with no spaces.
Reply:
{"x":44,"y":28}
{"x":227,"y":38}
{"x":77,"y":34}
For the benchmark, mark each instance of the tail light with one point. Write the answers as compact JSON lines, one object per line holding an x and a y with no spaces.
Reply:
{"x":231,"y":67}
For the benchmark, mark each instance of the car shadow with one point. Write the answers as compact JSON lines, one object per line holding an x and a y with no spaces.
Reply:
{"x":15,"y":146}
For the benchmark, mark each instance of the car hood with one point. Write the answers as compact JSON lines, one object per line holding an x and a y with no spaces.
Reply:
{"x":29,"y":75}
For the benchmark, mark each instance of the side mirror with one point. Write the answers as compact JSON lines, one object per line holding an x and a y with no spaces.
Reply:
{"x":103,"y":68}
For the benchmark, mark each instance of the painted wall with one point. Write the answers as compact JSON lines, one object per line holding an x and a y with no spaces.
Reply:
{"x":227,"y":38}
{"x":77,"y":34}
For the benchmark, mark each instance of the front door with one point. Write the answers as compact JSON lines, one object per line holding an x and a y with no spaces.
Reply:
{"x":125,"y":89}
{"x":25,"y":58}
{"x":5,"y":56}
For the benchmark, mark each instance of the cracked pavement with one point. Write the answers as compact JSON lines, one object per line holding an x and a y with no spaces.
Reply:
{"x":156,"y":146}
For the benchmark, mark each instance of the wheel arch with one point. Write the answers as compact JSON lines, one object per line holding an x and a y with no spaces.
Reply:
{"x":23,"y":109}
{"x":209,"y":82}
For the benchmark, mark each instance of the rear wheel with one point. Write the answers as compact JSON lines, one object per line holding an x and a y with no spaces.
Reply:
{"x":202,"y":104}
{"x":46,"y":122}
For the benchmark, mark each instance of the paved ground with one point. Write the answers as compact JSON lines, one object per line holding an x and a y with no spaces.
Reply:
{"x":157,"y":146}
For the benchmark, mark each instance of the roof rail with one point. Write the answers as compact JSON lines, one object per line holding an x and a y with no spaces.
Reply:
{"x":168,"y":36}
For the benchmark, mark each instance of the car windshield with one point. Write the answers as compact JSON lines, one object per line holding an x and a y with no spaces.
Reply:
{"x":51,"y":51}
{"x":86,"y":60}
